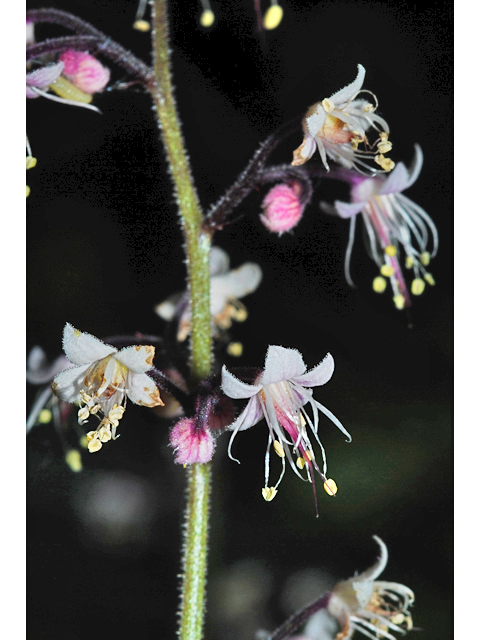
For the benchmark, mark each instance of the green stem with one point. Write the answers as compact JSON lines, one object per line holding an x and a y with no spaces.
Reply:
{"x":197,"y":247}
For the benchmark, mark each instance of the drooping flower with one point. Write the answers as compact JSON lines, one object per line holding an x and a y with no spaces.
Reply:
{"x":339,"y":124}
{"x":282,"y":207}
{"x":84,"y":71}
{"x":392,"y":222}
{"x":279,"y":395}
{"x":374,"y":608}
{"x":226,"y":287}
{"x":102,"y":379}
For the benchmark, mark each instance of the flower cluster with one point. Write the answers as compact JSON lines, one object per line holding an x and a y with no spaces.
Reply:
{"x":101,"y":381}
{"x":279,"y":394}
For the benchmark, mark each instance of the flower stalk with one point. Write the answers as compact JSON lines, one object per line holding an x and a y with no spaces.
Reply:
{"x":197,"y":248}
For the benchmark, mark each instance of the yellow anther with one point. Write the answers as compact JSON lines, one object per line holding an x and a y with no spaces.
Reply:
{"x":399,"y":301}
{"x":235,"y":349}
{"x":95,"y":409}
{"x":74,"y":460}
{"x":116,"y":414}
{"x":83,"y":414}
{"x":85,"y":397}
{"x":368,"y":108}
{"x":330,"y":487}
{"x":387,"y":270}
{"x":429,"y":278}
{"x":91,"y":435}
{"x":309,"y":455}
{"x":104,"y":434}
{"x":328,"y":105}
{"x":273,"y":17}
{"x":398,"y":618}
{"x":279,"y":450}
{"x":379,"y":284}
{"x":418,"y":286}
{"x":240,"y":315}
{"x":269,"y":493}
{"x":207,"y":18}
{"x":28,"y":191}
{"x":409,"y":262}
{"x":141,"y":25}
{"x":66,"y":89}
{"x":425,"y":258}
{"x":83,"y":442}
{"x":409,"y":623}
{"x":44,"y":416}
{"x":300,"y":463}
{"x":31,"y":162}
{"x":383,"y":135}
{"x":94,"y":445}
{"x":385,"y":147}
{"x":391,"y":250}
{"x":386,"y":164}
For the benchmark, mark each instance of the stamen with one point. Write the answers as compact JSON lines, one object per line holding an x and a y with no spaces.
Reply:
{"x":330,"y":487}
{"x":385,"y":147}
{"x":425,"y":258}
{"x":399,"y":301}
{"x":273,"y":16}
{"x":391,"y":250}
{"x":140,"y":23}
{"x":300,"y":463}
{"x":429,"y":278}
{"x":386,"y":163}
{"x":387,"y":270}
{"x":328,"y":105}
{"x":31,"y":162}
{"x":74,"y":460}
{"x":269,"y":493}
{"x":207,"y":18}
{"x":418,"y":286}
{"x":279,"y":450}
{"x":368,"y":108}
{"x":379,"y":284}
{"x":45,"y":416}
{"x":83,"y":414}
{"x":409,"y":261}
{"x":235,"y":349}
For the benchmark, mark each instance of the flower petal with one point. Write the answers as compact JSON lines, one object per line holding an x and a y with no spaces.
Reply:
{"x":250,"y":416}
{"x":416,"y":165}
{"x":397,"y":181}
{"x":142,"y":390}
{"x":237,"y":283}
{"x":67,"y":384}
{"x":305,"y":151}
{"x":219,"y":261}
{"x":351,"y":90}
{"x":44,"y":76}
{"x":138,"y":358}
{"x":319,"y":375}
{"x":316,"y":121}
{"x":282,"y":364}
{"x":348,"y":209}
{"x":83,"y":348}
{"x":376,"y":569}
{"x":168,"y":307}
{"x":235,"y":388}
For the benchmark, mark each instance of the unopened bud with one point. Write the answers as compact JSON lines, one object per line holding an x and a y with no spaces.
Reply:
{"x":282,"y":208}
{"x":191,"y":444}
{"x":84,"y":71}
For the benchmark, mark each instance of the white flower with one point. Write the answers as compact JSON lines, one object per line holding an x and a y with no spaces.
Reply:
{"x":392,"y":221}
{"x":337,"y":125}
{"x":279,"y":395}
{"x":102,"y":380}
{"x":372,"y":607}
{"x":226,"y":287}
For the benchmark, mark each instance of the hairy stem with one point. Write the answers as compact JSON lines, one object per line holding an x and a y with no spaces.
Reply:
{"x":197,"y":248}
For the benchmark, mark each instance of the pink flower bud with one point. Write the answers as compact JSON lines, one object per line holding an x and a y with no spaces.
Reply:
{"x":84,"y":71}
{"x":191,"y":444}
{"x":282,"y":207}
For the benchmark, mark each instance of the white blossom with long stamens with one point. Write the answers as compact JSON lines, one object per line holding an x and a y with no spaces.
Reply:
{"x":279,"y":395}
{"x":392,"y":222}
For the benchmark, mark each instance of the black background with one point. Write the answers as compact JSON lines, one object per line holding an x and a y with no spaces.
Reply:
{"x":104,"y":247}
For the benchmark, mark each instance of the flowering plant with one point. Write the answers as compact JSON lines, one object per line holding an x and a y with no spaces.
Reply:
{"x":181,"y":375}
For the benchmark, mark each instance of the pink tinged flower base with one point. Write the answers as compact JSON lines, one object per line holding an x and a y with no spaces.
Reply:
{"x":85,"y":71}
{"x":191,"y":444}
{"x":282,"y":208}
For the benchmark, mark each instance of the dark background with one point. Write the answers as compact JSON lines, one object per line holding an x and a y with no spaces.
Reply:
{"x":104,"y":247}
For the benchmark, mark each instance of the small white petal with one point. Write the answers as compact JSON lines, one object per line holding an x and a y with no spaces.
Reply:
{"x":235,"y":388}
{"x":67,"y":384}
{"x":142,"y":390}
{"x":397,"y":180}
{"x":282,"y":364}
{"x":83,"y":348}
{"x":316,"y":121}
{"x":319,"y":375}
{"x":351,"y":90}
{"x":416,"y":165}
{"x":219,"y":261}
{"x":168,"y":307}
{"x":348,"y":209}
{"x":138,"y":359}
{"x":250,"y":416}
{"x":376,"y":569}
{"x":237,"y":283}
